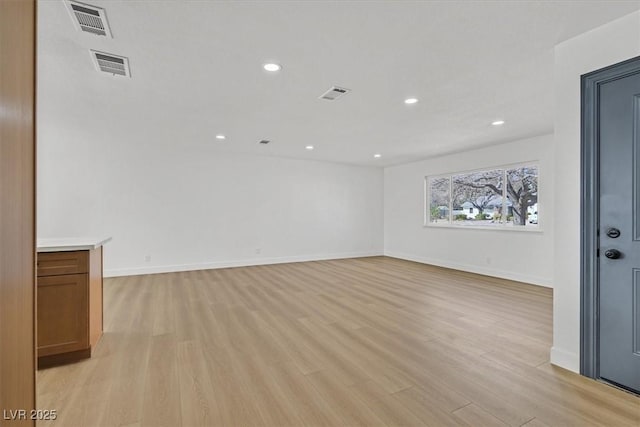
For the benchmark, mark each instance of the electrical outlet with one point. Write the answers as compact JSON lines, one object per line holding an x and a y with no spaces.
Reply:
{"x":258,"y":251}
{"x":147,"y":258}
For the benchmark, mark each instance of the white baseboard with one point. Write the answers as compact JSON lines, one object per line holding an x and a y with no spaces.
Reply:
{"x":135,"y":271}
{"x":510,"y":275}
{"x":565,"y":359}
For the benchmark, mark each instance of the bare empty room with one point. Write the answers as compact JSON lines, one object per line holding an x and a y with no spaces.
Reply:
{"x":336,"y":213}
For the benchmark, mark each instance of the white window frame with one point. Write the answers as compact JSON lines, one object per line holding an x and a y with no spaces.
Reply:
{"x":500,"y":227}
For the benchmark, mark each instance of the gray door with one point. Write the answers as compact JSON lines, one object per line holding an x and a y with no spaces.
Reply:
{"x":619,"y":231}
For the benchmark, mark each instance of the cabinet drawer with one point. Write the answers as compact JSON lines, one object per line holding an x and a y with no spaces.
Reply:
{"x":59,"y":263}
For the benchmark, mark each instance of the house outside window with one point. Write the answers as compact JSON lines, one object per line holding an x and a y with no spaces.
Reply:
{"x":502,"y":197}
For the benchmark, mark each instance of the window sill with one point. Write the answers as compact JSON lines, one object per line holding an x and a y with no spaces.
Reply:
{"x":490,"y":228}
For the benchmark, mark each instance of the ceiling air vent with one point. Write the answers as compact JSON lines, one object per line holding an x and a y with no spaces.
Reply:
{"x":89,"y":18}
{"x":112,"y":64}
{"x":334,"y":93}
{"x":264,"y":141}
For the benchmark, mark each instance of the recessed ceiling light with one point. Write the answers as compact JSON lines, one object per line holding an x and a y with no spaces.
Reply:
{"x":272,"y":67}
{"x":377,"y":156}
{"x":411,"y":100}
{"x":309,"y":147}
{"x":498,"y":123}
{"x":220,"y":136}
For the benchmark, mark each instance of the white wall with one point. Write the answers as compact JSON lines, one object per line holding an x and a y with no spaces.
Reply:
{"x":601,"y":47}
{"x":518,"y":255}
{"x":189,"y":207}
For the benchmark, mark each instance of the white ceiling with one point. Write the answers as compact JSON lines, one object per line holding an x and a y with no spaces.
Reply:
{"x":197,"y":71}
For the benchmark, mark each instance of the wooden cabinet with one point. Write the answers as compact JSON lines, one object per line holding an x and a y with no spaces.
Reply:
{"x":62,"y":314}
{"x":69,"y":305}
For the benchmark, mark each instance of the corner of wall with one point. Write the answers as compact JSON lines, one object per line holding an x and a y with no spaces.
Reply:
{"x":546,"y":282}
{"x":136,"y":271}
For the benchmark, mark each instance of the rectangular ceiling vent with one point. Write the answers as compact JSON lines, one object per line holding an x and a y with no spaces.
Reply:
{"x":264,"y":141}
{"x":334,"y":93}
{"x":90,"y":19}
{"x":112,"y":64}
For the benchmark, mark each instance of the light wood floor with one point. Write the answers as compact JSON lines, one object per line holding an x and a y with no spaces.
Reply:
{"x":370,"y":341}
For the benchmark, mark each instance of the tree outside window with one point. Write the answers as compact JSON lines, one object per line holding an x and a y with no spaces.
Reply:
{"x":522,"y":192}
{"x":498,"y":197}
{"x":439,"y":191}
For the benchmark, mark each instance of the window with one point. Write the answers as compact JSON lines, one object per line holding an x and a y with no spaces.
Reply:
{"x":440,"y":196}
{"x":500,"y":197}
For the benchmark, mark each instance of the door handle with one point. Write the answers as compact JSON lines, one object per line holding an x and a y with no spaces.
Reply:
{"x":612,"y":253}
{"x":614,"y":233}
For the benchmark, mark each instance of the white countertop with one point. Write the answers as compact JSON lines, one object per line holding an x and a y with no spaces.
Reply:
{"x":70,"y":244}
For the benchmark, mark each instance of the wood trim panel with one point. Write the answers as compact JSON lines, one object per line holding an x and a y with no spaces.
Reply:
{"x":17,"y":208}
{"x":95,"y":296}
